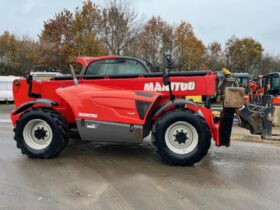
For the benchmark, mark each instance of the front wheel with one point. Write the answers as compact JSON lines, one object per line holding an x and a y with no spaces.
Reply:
{"x":41,"y":133}
{"x":182,"y":137}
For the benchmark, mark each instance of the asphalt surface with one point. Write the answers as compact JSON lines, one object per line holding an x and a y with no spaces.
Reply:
{"x":89,"y":176}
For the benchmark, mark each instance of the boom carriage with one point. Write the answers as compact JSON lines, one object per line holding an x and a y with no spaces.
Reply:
{"x":120,"y":109}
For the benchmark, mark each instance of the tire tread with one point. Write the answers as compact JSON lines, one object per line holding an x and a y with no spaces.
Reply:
{"x":172,"y":159}
{"x":61,"y":138}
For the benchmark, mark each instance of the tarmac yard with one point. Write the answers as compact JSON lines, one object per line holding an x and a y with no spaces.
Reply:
{"x":88,"y":176}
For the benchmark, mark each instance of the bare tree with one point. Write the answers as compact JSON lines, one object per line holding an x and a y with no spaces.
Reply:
{"x":119,"y":26}
{"x":155,"y":39}
{"x":214,"y":56}
{"x":269,"y":64}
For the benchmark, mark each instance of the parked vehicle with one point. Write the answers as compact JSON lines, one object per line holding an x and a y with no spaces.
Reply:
{"x":103,"y":105}
{"x":6,"y":85}
{"x":264,"y":87}
{"x":271,"y":84}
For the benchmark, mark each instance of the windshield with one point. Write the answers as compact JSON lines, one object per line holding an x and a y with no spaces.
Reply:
{"x":115,"y":67}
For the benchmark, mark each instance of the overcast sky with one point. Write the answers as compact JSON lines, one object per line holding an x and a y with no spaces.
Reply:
{"x":211,"y":19}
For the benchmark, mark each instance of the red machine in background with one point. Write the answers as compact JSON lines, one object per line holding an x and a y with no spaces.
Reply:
{"x":268,"y":85}
{"x":271,"y":86}
{"x":256,"y":86}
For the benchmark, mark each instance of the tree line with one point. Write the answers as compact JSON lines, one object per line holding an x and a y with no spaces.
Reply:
{"x":115,"y":28}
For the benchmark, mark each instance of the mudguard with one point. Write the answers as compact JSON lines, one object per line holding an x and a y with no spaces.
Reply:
{"x":214,"y":124}
{"x":173,"y":103}
{"x":42,"y":101}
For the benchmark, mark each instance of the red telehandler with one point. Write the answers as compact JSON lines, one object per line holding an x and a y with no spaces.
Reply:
{"x":104,"y":106}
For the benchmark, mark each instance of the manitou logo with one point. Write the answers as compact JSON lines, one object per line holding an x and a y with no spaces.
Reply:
{"x":175,"y":86}
{"x":87,"y":115}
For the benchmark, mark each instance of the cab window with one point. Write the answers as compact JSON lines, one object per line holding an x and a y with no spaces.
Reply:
{"x":275,"y":84}
{"x":243,"y":81}
{"x":115,"y":67}
{"x":272,"y":84}
{"x":267,"y":83}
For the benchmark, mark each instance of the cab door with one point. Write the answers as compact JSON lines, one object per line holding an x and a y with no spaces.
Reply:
{"x":272,"y":84}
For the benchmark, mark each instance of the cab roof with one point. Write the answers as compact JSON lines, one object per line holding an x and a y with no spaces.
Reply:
{"x":86,"y":60}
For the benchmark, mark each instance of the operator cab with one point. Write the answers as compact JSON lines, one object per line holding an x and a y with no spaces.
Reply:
{"x":272,"y":84}
{"x":116,"y":65}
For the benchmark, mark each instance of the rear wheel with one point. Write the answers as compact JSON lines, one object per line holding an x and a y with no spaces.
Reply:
{"x":182,"y":137}
{"x":41,"y":133}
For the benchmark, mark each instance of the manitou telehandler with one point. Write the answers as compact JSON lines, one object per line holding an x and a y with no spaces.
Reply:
{"x":118,"y":99}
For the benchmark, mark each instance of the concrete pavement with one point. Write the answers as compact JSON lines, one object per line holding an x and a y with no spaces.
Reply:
{"x":88,"y":176}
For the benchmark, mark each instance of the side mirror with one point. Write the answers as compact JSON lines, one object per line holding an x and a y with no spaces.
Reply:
{"x":29,"y":79}
{"x":168,"y":59}
{"x":165,"y":77}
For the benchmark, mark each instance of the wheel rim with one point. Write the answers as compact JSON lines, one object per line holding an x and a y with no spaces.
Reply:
{"x":181,"y":137}
{"x":37,"y":134}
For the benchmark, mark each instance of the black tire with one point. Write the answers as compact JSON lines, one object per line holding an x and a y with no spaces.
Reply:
{"x":197,"y":123}
{"x":57,"y":126}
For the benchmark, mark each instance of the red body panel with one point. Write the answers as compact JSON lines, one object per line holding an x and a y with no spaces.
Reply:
{"x":203,"y":85}
{"x":113,"y":99}
{"x":92,"y":102}
{"x":48,"y":90}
